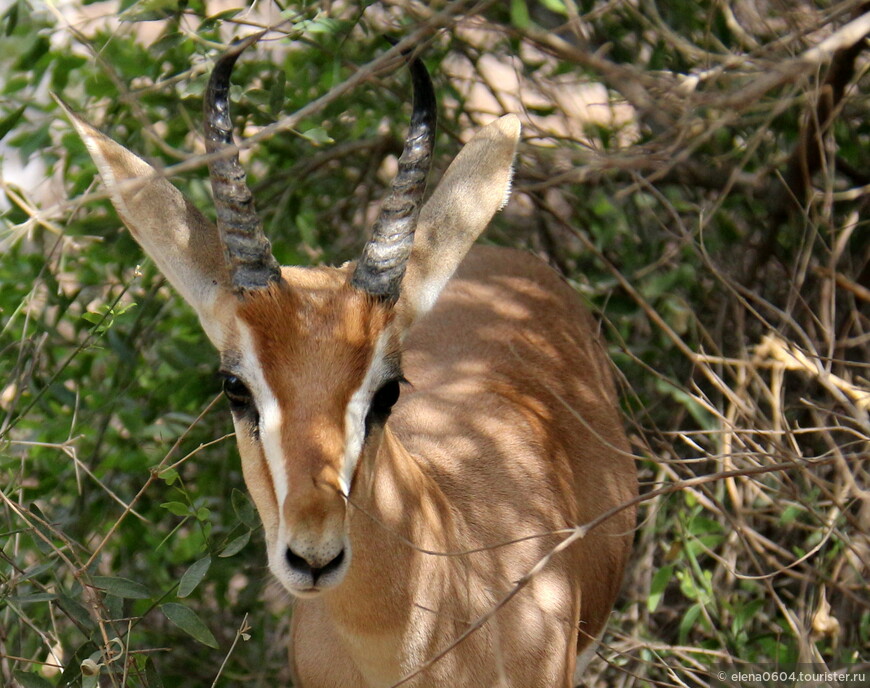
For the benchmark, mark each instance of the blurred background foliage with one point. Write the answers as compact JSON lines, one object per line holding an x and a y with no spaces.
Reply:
{"x":696,"y":170}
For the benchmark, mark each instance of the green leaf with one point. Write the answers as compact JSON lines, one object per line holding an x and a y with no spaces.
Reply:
{"x":11,"y":19}
{"x":76,"y":611}
{"x":169,"y":475}
{"x":557,"y":6}
{"x":790,"y":514}
{"x":31,"y":142}
{"x":94,"y":318}
{"x":167,"y":42}
{"x":10,"y":120}
{"x":236,"y":545}
{"x":177,"y":508}
{"x":43,"y":543}
{"x":687,"y":585}
{"x":701,"y":525}
{"x":658,"y":586}
{"x":151,"y":676}
{"x":122,"y":587}
{"x":38,"y":570}
{"x":149,"y":10}
{"x":28,"y":680}
{"x":277,"y":92}
{"x":305,"y":225}
{"x":39,"y":46}
{"x":320,"y":24}
{"x":189,"y":622}
{"x":33,"y":597}
{"x":744,"y":614}
{"x":15,"y":83}
{"x":244,"y":508}
{"x":64,"y":64}
{"x":104,"y":317}
{"x":317,"y":135}
{"x":698,"y":412}
{"x":520,"y":14}
{"x":217,"y":19}
{"x":688,"y":621}
{"x":193,"y":576}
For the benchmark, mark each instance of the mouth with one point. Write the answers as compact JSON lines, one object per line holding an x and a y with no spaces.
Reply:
{"x":306,"y":593}
{"x":306,"y":589}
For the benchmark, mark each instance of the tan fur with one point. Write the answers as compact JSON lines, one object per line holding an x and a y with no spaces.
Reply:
{"x":507,"y":433}
{"x":507,"y":378}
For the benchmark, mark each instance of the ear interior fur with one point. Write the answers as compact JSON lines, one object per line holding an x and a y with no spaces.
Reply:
{"x":183,"y":243}
{"x":475,"y":186}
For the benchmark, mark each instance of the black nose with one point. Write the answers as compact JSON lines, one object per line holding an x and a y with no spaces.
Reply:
{"x":303,"y":565}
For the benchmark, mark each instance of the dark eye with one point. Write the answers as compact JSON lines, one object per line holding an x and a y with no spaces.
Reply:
{"x":382,"y":402}
{"x":237,"y":393}
{"x":385,"y":397}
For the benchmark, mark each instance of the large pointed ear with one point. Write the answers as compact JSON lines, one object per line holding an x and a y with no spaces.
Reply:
{"x":183,"y":243}
{"x":474,"y":187}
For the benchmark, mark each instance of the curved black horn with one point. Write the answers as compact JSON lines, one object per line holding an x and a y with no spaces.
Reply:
{"x":248,"y":251}
{"x":382,"y":265}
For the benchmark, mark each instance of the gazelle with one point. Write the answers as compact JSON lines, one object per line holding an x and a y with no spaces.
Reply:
{"x":411,"y":438}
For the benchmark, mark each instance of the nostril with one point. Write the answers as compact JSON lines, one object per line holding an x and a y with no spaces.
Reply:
{"x":332,"y":565}
{"x":296,"y":562}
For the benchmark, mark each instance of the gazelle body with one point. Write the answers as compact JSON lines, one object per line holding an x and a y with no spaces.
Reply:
{"x":399,"y":521}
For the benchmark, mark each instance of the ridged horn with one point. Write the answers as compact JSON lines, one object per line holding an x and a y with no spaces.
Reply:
{"x":382,"y":265}
{"x":248,"y":251}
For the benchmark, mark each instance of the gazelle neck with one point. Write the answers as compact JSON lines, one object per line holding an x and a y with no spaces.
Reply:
{"x":395,"y":511}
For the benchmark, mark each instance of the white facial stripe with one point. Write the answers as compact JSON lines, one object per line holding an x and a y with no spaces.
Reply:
{"x":270,"y":413}
{"x":355,"y":414}
{"x":270,"y":437}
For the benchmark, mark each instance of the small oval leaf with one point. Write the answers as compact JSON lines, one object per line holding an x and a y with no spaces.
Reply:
{"x":659,"y":584}
{"x":317,"y":135}
{"x":187,"y":620}
{"x":122,"y":587}
{"x":193,"y":576}
{"x":235,"y":546}
{"x":177,"y":508}
{"x":244,"y":508}
{"x":8,"y":122}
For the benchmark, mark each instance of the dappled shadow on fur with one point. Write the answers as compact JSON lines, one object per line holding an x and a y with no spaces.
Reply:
{"x":511,"y":431}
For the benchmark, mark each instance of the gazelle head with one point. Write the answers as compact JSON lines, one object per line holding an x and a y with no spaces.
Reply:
{"x":311,"y":357}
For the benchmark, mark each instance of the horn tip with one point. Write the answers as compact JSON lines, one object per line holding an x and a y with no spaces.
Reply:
{"x":242,"y":44}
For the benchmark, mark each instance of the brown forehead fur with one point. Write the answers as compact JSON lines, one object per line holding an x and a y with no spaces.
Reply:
{"x":314,"y":336}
